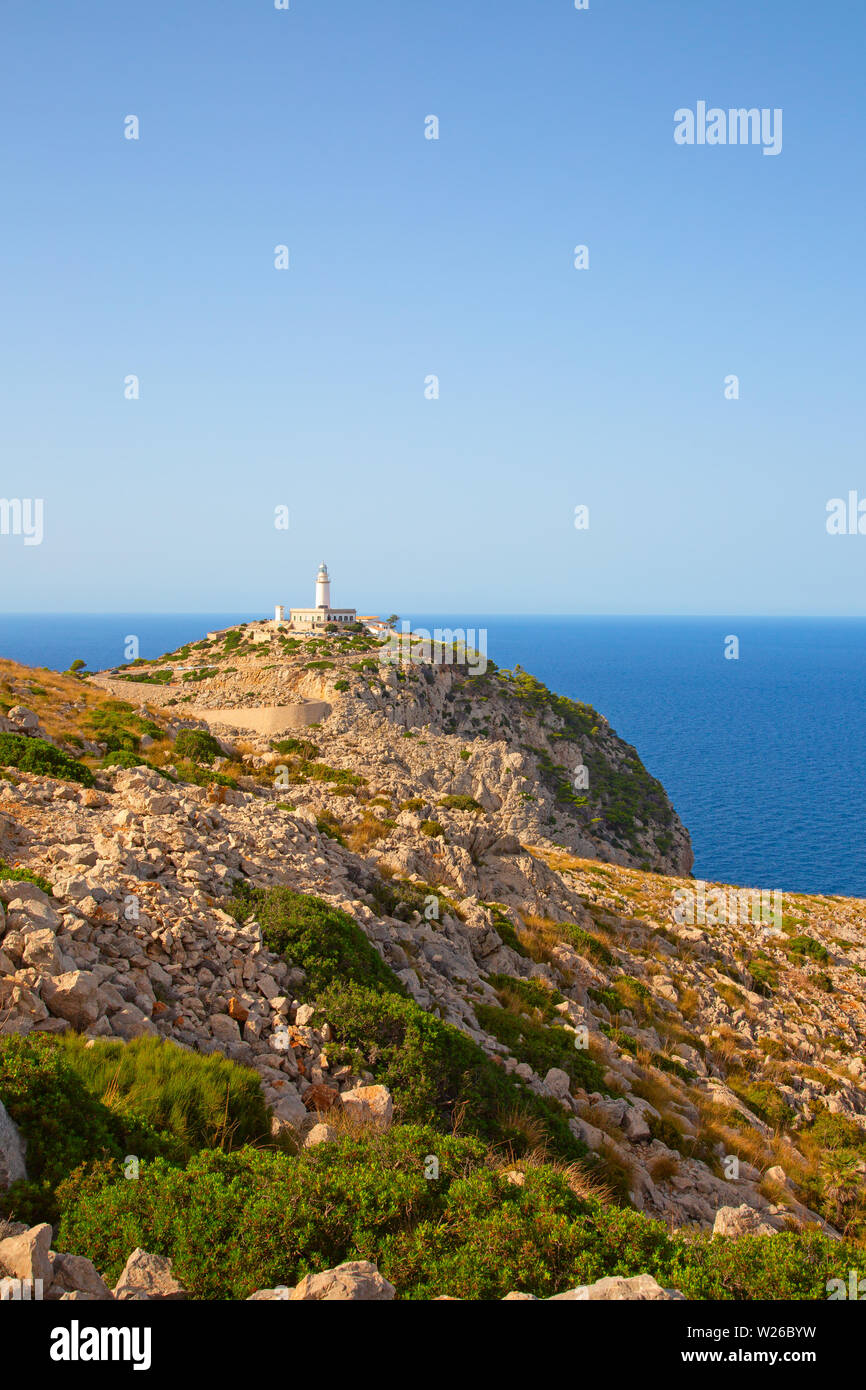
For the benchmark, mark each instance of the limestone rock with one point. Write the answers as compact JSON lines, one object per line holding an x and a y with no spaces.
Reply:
{"x":73,"y":996}
{"x":129,"y":1022}
{"x":741,"y":1221}
{"x":75,"y":1275}
{"x":27,"y":1256}
{"x":320,"y":1134}
{"x":148,"y":1277}
{"x":370,"y":1105}
{"x":559,"y":1082}
{"x":357,"y":1280}
{"x":641,"y":1288}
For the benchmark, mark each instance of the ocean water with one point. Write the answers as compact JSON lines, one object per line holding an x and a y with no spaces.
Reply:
{"x":764,"y":757}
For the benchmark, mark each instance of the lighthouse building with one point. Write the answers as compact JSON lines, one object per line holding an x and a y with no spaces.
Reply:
{"x":319,"y":616}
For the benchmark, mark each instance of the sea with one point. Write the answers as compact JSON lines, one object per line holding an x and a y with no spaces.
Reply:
{"x":756,"y":727}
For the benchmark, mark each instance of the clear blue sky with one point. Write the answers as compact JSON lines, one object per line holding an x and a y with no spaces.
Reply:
{"x":410,"y":257}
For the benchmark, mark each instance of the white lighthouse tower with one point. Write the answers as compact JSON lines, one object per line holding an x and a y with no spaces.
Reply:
{"x":323,"y":587}
{"x":323,"y":615}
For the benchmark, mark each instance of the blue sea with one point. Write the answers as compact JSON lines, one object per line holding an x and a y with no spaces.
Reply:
{"x":764,"y":757}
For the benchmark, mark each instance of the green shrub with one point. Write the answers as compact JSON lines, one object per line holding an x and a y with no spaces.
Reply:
{"x":535,"y":997}
{"x":35,"y":755}
{"x":432,"y":828}
{"x":763,"y":1098}
{"x":197,"y":745}
{"x":807,"y":946}
{"x":232,"y":1223}
{"x":436,"y":1073}
{"x":116,"y":724}
{"x":123,"y":758}
{"x":301,"y":746}
{"x":61,"y":1122}
{"x":320,"y":939}
{"x":201,"y":1100}
{"x":461,"y":803}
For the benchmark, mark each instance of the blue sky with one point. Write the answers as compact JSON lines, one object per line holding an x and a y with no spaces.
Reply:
{"x":412,"y":257}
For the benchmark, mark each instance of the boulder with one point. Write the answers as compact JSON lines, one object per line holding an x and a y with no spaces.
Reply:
{"x":40,"y":951}
{"x":224,"y":1028}
{"x":148,"y":1278}
{"x":73,"y":996}
{"x":741,"y":1221}
{"x":320,"y":1134}
{"x":129,"y":1022}
{"x":76,"y":1276}
{"x":19,"y":891}
{"x":357,"y":1280}
{"x":559,"y":1082}
{"x":288,"y":1113}
{"x":12,"y":1149}
{"x":321,"y":1097}
{"x":26,"y":721}
{"x":27,"y":1256}
{"x":20,"y":1009}
{"x":370,"y":1105}
{"x":635,"y":1126}
{"x":640,"y":1288}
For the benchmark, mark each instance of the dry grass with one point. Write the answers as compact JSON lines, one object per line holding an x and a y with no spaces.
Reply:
{"x":65,"y":701}
{"x":365,"y":833}
{"x":689,"y":1002}
{"x":582,"y":1182}
{"x":531,"y":1128}
{"x":663,"y":1168}
{"x":540,"y":936}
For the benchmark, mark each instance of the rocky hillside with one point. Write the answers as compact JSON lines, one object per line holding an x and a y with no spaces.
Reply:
{"x":429,"y":972}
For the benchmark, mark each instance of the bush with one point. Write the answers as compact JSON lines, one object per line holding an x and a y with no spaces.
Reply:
{"x":201,"y":1100}
{"x":323,"y":941}
{"x":432,"y":828}
{"x":436,"y":1074}
{"x":198,"y":746}
{"x":301,"y":746}
{"x":116,"y":724}
{"x":234,"y":1223}
{"x":807,"y":946}
{"x":35,"y":755}
{"x":123,"y":758}
{"x":461,"y":803}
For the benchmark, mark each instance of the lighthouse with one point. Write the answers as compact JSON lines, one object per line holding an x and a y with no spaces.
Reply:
{"x":323,"y":587}
{"x":322,"y":616}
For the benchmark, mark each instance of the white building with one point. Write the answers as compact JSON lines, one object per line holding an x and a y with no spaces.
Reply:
{"x":319,"y":616}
